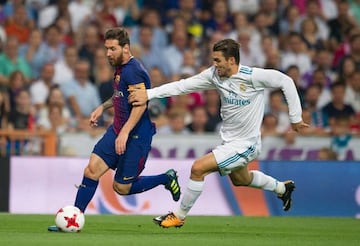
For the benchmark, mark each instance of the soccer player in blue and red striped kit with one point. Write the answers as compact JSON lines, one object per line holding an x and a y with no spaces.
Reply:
{"x":126,"y":144}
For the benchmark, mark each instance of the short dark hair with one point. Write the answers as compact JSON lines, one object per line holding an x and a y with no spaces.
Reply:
{"x":119,"y":34}
{"x":229,"y":48}
{"x":337,"y":84}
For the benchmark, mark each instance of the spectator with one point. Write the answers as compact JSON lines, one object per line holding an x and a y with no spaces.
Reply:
{"x":52,"y":48}
{"x":64,"y":68}
{"x":102,"y":69}
{"x":352,"y":91}
{"x":288,"y":24}
{"x":81,"y":94}
{"x":341,"y":24}
{"x":268,"y":50}
{"x":39,"y":89}
{"x":157,"y":106}
{"x":10,"y":6}
{"x":313,"y":42}
{"x":19,"y":25}
{"x":80,"y":12}
{"x":261,"y":24}
{"x":249,"y":7}
{"x":318,"y":119}
{"x":149,"y":53}
{"x":354,"y":51}
{"x":173,"y":53}
{"x":296,"y":54}
{"x":32,"y":52}
{"x":313,"y":129}
{"x":272,"y":59}
{"x":199,"y":119}
{"x":212,"y":106}
{"x":355,"y":10}
{"x":319,"y":77}
{"x":22,"y":116}
{"x":270,"y":8}
{"x":341,"y":136}
{"x":344,"y":48}
{"x":48,"y":14}
{"x":269,"y":126}
{"x":346,"y":68}
{"x":89,"y":44}
{"x":220,"y":20}
{"x":17,"y":82}
{"x":176,"y":124}
{"x":55,"y":97}
{"x":241,"y":22}
{"x":189,"y":65}
{"x":250,"y":55}
{"x":10,"y":61}
{"x":278,"y":107}
{"x":127,"y":13}
{"x":321,"y":60}
{"x":150,"y":18}
{"x":66,"y":32}
{"x":314,"y":12}
{"x":337,"y":107}
{"x":55,"y":120}
{"x":105,"y":14}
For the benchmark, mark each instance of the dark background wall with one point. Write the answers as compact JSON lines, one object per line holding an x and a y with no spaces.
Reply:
{"x":4,"y":183}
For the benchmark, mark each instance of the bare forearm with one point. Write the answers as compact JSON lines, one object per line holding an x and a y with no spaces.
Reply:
{"x":107,"y":104}
{"x":134,"y":118}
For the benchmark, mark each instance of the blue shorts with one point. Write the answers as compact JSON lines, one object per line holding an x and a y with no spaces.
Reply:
{"x":129,"y":165}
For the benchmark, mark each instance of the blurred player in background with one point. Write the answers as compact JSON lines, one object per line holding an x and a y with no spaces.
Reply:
{"x":242,"y":109}
{"x":127,"y":142}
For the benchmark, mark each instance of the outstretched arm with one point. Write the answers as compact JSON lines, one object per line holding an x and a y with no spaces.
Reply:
{"x":197,"y":82}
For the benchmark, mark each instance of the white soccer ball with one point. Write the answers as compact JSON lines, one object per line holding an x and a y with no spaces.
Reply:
{"x":70,"y":219}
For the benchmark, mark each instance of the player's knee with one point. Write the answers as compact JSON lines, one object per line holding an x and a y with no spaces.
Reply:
{"x":243,"y":181}
{"x":121,"y":189}
{"x":197,"y":171}
{"x":90,"y":173}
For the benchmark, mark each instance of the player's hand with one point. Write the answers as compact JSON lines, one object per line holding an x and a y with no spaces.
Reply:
{"x":120,"y":142}
{"x":300,"y":126}
{"x":137,"y":97}
{"x":93,"y":121}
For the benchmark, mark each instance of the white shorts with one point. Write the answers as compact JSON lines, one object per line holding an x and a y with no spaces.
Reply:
{"x":232,"y":156}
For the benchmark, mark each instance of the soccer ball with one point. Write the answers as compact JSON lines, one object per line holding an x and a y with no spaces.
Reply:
{"x":70,"y":219}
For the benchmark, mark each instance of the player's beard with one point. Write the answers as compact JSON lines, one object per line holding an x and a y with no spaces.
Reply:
{"x":223,"y":72}
{"x":117,"y":61}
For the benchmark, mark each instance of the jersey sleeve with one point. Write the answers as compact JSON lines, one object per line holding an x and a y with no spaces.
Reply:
{"x":270,"y":78}
{"x":137,"y":76}
{"x":199,"y":82}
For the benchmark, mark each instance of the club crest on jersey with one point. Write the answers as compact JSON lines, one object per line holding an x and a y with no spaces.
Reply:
{"x":242,"y":87}
{"x":117,"y":78}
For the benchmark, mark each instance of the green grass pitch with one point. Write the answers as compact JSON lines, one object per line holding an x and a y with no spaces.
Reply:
{"x":127,"y":230}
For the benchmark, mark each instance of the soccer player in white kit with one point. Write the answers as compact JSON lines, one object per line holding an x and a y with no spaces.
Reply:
{"x":241,"y":89}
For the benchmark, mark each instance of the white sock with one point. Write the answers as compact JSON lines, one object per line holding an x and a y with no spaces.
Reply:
{"x":193,"y":191}
{"x":266,"y":182}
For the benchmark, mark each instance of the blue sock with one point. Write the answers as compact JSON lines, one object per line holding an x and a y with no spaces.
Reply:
{"x":144,"y":183}
{"x":85,"y":193}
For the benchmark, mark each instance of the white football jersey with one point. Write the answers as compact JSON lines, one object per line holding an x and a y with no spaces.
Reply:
{"x":242,"y":98}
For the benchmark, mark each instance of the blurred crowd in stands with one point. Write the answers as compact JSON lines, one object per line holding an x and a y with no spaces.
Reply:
{"x":54,"y":70}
